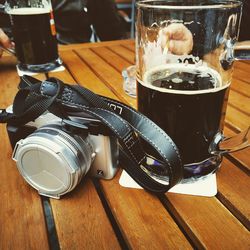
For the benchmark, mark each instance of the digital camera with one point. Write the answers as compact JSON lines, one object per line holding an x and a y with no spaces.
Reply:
{"x":54,"y":154}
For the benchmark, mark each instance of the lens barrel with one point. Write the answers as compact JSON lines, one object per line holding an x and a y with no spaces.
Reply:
{"x":53,"y":161}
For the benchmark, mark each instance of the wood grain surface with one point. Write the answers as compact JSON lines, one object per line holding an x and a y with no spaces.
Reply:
{"x":101,"y":214}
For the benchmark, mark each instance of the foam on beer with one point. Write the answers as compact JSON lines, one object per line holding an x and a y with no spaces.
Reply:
{"x":28,"y":11}
{"x":166,"y":68}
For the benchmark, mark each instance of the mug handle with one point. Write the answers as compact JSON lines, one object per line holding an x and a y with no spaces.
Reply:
{"x":222,"y":145}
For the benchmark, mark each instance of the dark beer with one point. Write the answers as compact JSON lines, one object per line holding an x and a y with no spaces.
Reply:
{"x":187,"y":103}
{"x":34,"y":36}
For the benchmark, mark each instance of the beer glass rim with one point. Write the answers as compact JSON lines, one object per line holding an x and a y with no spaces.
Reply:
{"x":160,"y":4}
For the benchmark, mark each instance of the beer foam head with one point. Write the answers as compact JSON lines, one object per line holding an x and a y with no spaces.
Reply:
{"x":168,"y":70}
{"x":28,"y":11}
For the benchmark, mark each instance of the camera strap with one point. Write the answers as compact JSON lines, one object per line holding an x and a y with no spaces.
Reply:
{"x":128,"y":125}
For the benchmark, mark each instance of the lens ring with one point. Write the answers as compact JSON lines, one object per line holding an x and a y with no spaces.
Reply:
{"x":53,"y":161}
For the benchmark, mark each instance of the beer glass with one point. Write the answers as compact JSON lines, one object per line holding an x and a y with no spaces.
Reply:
{"x":34,"y":34}
{"x":184,"y":54}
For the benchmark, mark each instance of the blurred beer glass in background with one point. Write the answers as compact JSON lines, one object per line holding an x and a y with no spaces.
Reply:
{"x":34,"y":33}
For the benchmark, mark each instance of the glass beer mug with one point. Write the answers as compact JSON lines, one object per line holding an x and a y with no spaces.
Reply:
{"x":185,"y":52}
{"x":34,"y":34}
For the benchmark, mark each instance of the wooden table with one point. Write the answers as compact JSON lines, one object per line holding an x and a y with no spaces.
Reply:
{"x":104,"y":215}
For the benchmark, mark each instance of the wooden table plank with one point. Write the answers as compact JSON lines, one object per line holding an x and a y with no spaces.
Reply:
{"x":83,"y":74}
{"x":124,"y":53}
{"x":112,"y":58}
{"x":243,"y":65}
{"x":21,"y":209}
{"x":130,"y":46}
{"x":234,"y":186}
{"x":240,"y":102}
{"x":142,"y":218}
{"x":241,"y":74}
{"x":237,"y":119}
{"x":81,"y":221}
{"x":209,"y":221}
{"x":64,"y":75}
{"x":71,"y":47}
{"x":240,"y":87}
{"x":110,"y":76}
{"x":246,"y":61}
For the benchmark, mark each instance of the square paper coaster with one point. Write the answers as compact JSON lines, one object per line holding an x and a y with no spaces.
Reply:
{"x":28,"y":73}
{"x":206,"y":186}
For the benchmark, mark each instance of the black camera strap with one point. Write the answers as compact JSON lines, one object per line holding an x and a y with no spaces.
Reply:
{"x":145,"y":128}
{"x":128,"y":125}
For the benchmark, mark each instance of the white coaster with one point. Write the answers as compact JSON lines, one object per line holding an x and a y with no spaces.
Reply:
{"x":206,"y":186}
{"x":28,"y":73}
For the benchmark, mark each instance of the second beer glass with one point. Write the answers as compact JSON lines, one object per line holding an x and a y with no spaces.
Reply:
{"x":34,"y":34}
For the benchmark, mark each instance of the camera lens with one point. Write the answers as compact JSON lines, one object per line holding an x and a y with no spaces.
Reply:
{"x":52,"y":160}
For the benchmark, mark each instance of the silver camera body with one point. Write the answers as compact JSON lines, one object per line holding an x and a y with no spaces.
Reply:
{"x":53,"y":159}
